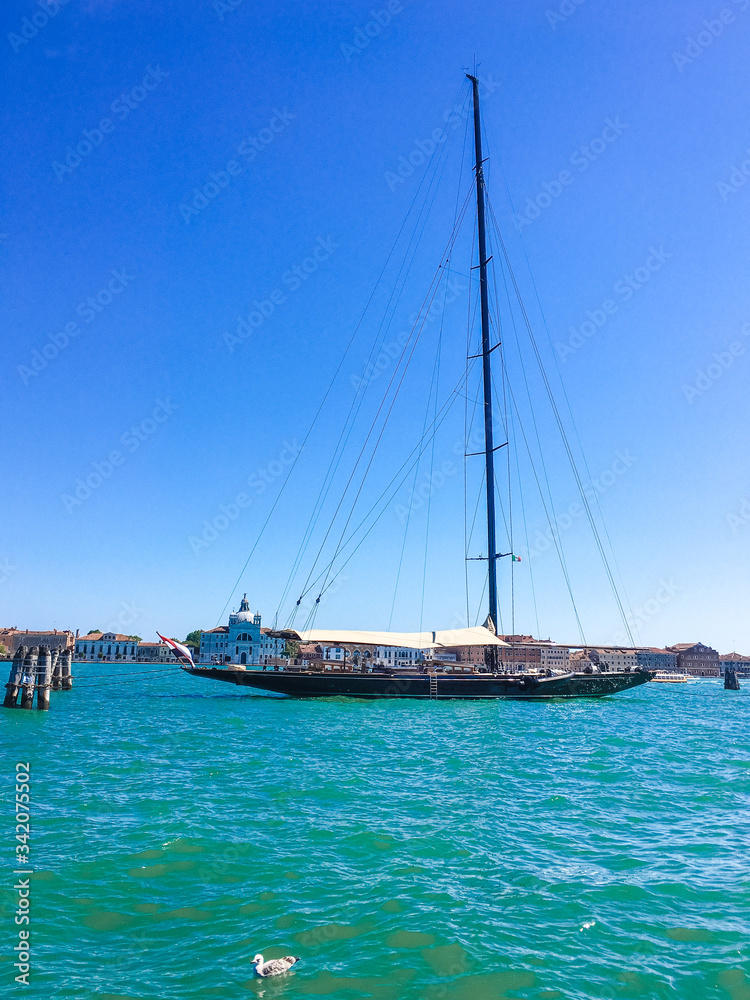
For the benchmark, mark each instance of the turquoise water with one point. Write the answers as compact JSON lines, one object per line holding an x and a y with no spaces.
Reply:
{"x":403,"y":850}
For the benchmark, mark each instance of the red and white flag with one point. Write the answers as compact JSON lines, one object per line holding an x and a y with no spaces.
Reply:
{"x":182,"y":653}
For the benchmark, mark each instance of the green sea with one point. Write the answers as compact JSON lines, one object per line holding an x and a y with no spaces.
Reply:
{"x":403,"y":850}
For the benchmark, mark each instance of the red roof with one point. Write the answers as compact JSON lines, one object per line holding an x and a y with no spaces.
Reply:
{"x":96,"y":636}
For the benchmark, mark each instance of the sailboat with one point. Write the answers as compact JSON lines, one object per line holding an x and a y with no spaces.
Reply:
{"x":423,"y":669}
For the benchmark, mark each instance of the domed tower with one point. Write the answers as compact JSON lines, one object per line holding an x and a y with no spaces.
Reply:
{"x":244,"y":614}
{"x":244,"y":634}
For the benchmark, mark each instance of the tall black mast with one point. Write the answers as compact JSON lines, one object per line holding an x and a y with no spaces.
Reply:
{"x":486,"y":370}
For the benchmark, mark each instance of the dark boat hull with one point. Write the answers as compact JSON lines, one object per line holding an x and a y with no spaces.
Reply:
{"x":330,"y":684}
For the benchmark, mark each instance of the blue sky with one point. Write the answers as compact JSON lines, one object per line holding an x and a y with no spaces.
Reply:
{"x":619,"y":133}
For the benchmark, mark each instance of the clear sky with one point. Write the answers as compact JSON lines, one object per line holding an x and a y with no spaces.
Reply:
{"x":620,"y":130}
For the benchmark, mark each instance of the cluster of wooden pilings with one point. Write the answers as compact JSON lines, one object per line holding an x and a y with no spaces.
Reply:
{"x":38,"y":670}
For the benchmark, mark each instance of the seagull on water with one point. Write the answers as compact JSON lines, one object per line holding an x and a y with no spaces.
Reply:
{"x":275,"y":967}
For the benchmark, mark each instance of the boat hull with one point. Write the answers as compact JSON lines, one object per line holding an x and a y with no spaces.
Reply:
{"x":309,"y":684}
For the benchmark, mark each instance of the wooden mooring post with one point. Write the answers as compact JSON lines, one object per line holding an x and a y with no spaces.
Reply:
{"x":38,"y":671}
{"x":731,"y":680}
{"x":14,"y":681}
{"x":57,"y":670}
{"x":28,"y":682}
{"x":66,"y":658}
{"x":44,"y":678}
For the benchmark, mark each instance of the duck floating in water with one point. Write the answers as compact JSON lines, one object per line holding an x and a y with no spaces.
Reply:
{"x":275,"y":967}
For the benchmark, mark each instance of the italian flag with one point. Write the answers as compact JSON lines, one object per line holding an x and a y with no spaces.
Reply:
{"x":182,"y":653}
{"x":515,"y":559}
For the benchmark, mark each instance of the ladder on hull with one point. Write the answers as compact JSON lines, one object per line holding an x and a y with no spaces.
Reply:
{"x":433,"y":685}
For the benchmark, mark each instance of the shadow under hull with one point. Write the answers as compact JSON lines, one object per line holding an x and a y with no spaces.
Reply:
{"x":308,"y":684}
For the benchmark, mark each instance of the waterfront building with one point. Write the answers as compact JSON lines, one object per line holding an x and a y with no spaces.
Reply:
{"x":553,"y":656}
{"x":653,"y":658}
{"x":735,"y":661}
{"x":14,"y":637}
{"x":105,"y":646}
{"x":521,"y":653}
{"x":696,"y":659}
{"x":113,"y":646}
{"x":397,"y":656}
{"x":336,"y":653}
{"x":243,"y":640}
{"x":524,"y":652}
{"x":308,"y":653}
{"x":154,"y":652}
{"x":360,"y":654}
{"x":615,"y":659}
{"x":583,"y":659}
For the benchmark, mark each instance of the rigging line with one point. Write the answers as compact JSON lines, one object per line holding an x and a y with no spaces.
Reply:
{"x":445,"y":410}
{"x":565,"y":395}
{"x":506,"y":521}
{"x":551,"y":521}
{"x":436,"y":381}
{"x":412,"y":332}
{"x":476,"y":510}
{"x":403,"y":548}
{"x":526,"y":534}
{"x":555,"y":536}
{"x":477,"y":399}
{"x":504,"y":383}
{"x":464,"y":146}
{"x":434,"y":180}
{"x":466,"y":445}
{"x":497,"y":487}
{"x":429,"y":298}
{"x":358,"y":398}
{"x":473,"y":307}
{"x":322,"y":404}
{"x":512,"y":565}
{"x":481,"y":604}
{"x":371,"y":431}
{"x":409,"y":511}
{"x":561,"y":428}
{"x":468,"y":425}
{"x":566,"y":444}
{"x":408,"y":464}
{"x":502,"y":508}
{"x":424,"y":428}
{"x":436,"y":378}
{"x":372,"y":457}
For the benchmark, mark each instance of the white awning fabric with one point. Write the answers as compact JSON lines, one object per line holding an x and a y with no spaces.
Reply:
{"x":479,"y":636}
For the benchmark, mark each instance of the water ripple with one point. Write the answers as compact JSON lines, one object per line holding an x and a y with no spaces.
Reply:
{"x":406,"y":851}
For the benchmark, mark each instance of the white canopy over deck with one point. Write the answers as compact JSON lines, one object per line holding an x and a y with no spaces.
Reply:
{"x":445,"y":639}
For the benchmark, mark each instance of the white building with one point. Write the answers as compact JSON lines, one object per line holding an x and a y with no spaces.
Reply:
{"x":397,"y":656}
{"x":615,"y":659}
{"x":110,"y":646}
{"x":553,"y":657}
